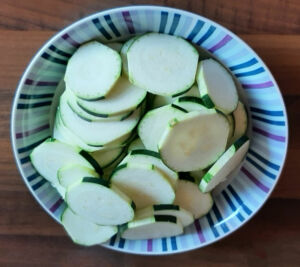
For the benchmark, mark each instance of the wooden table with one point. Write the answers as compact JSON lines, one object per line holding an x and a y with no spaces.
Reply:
{"x":29,"y":237}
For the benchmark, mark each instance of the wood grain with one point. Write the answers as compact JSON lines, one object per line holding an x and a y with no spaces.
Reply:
{"x":29,"y":237}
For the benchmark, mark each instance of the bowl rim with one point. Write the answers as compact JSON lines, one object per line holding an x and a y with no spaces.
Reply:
{"x":134,"y":8}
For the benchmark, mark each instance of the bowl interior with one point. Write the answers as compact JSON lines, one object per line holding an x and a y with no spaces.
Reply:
{"x":236,"y":201}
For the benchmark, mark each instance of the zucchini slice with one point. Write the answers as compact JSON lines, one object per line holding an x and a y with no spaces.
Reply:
{"x":162,"y":64}
{"x":156,"y":226}
{"x":145,"y":184}
{"x":93,"y":200}
{"x":84,"y":232}
{"x":184,"y":216}
{"x":154,"y":123}
{"x":225,"y":164}
{"x":194,"y":141}
{"x":107,"y":157}
{"x":115,"y":46}
{"x":123,"y":53}
{"x":124,"y":97}
{"x":216,"y":85}
{"x":70,"y":174}
{"x":93,"y":133}
{"x":93,"y":70}
{"x":190,"y":103}
{"x":136,"y":144}
{"x":241,"y":121}
{"x":189,"y":197}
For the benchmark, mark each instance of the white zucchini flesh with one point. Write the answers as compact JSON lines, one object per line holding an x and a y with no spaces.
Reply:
{"x":225,"y":164}
{"x":106,"y":157}
{"x":123,"y":53}
{"x":99,"y":204}
{"x":145,"y":184}
{"x":136,"y":144}
{"x":156,"y":226}
{"x":194,"y":141}
{"x":93,"y":133}
{"x":216,"y":85}
{"x":241,"y":121}
{"x":124,"y":97}
{"x":107,"y":172}
{"x":154,"y":123}
{"x":143,"y":156}
{"x":72,"y":101}
{"x":48,"y":157}
{"x":155,"y":63}
{"x":70,"y":174}
{"x":84,"y":232}
{"x":189,"y":197}
{"x":193,"y":91}
{"x":184,"y":216}
{"x":115,"y":46}
{"x":93,"y":70}
{"x":190,"y":103}
{"x":63,"y":134}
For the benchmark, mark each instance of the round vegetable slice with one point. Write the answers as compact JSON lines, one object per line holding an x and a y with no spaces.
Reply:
{"x":190,"y":103}
{"x":93,"y":70}
{"x":115,"y":46}
{"x":145,"y":184}
{"x":152,"y":227}
{"x":123,"y":53}
{"x":216,"y":85}
{"x":241,"y":121}
{"x":124,"y":97}
{"x":194,"y":141}
{"x":93,"y":200}
{"x":189,"y":197}
{"x":84,"y":232}
{"x":225,"y":164}
{"x":106,"y":157}
{"x":162,"y":64}
{"x":136,"y":144}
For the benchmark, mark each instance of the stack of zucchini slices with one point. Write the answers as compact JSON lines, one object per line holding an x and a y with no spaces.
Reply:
{"x":191,"y":135}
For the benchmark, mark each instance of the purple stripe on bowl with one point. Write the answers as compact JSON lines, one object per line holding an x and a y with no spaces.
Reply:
{"x":33,"y":131}
{"x":56,"y":205}
{"x":255,"y":181}
{"x":269,"y":135}
{"x":128,"y":20}
{"x":258,"y":85}
{"x":149,"y":245}
{"x":223,"y":42}
{"x":199,"y":231}
{"x":70,"y":40}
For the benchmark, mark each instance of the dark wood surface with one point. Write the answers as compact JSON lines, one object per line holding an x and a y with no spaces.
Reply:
{"x":29,"y":237}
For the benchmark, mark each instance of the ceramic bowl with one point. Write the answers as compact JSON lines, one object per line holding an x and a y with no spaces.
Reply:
{"x":237,"y":201}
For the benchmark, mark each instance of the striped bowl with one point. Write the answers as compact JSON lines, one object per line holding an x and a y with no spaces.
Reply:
{"x":236,"y":202}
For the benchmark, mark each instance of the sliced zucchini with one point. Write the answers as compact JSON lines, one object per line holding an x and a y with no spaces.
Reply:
{"x":136,"y":144}
{"x":93,"y":133}
{"x":189,"y":197}
{"x":72,"y":101}
{"x":154,"y":123}
{"x":161,"y":100}
{"x":106,"y":157}
{"x":93,"y":70}
{"x":197,"y":175}
{"x":48,"y":157}
{"x":107,"y":172}
{"x":216,"y":85}
{"x":241,"y":121}
{"x":184,"y":216}
{"x":93,"y":200}
{"x":115,"y":46}
{"x":225,"y":164}
{"x":145,"y":184}
{"x":84,"y":232}
{"x":156,"y":226}
{"x":145,"y":156}
{"x":63,"y":134}
{"x":123,"y":53}
{"x":162,"y":64}
{"x":124,"y":97}
{"x":194,"y":141}
{"x":193,"y":91}
{"x":190,"y":103}
{"x":70,"y":174}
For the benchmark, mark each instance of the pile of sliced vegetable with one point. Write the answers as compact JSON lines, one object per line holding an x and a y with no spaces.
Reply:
{"x":143,"y":133}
